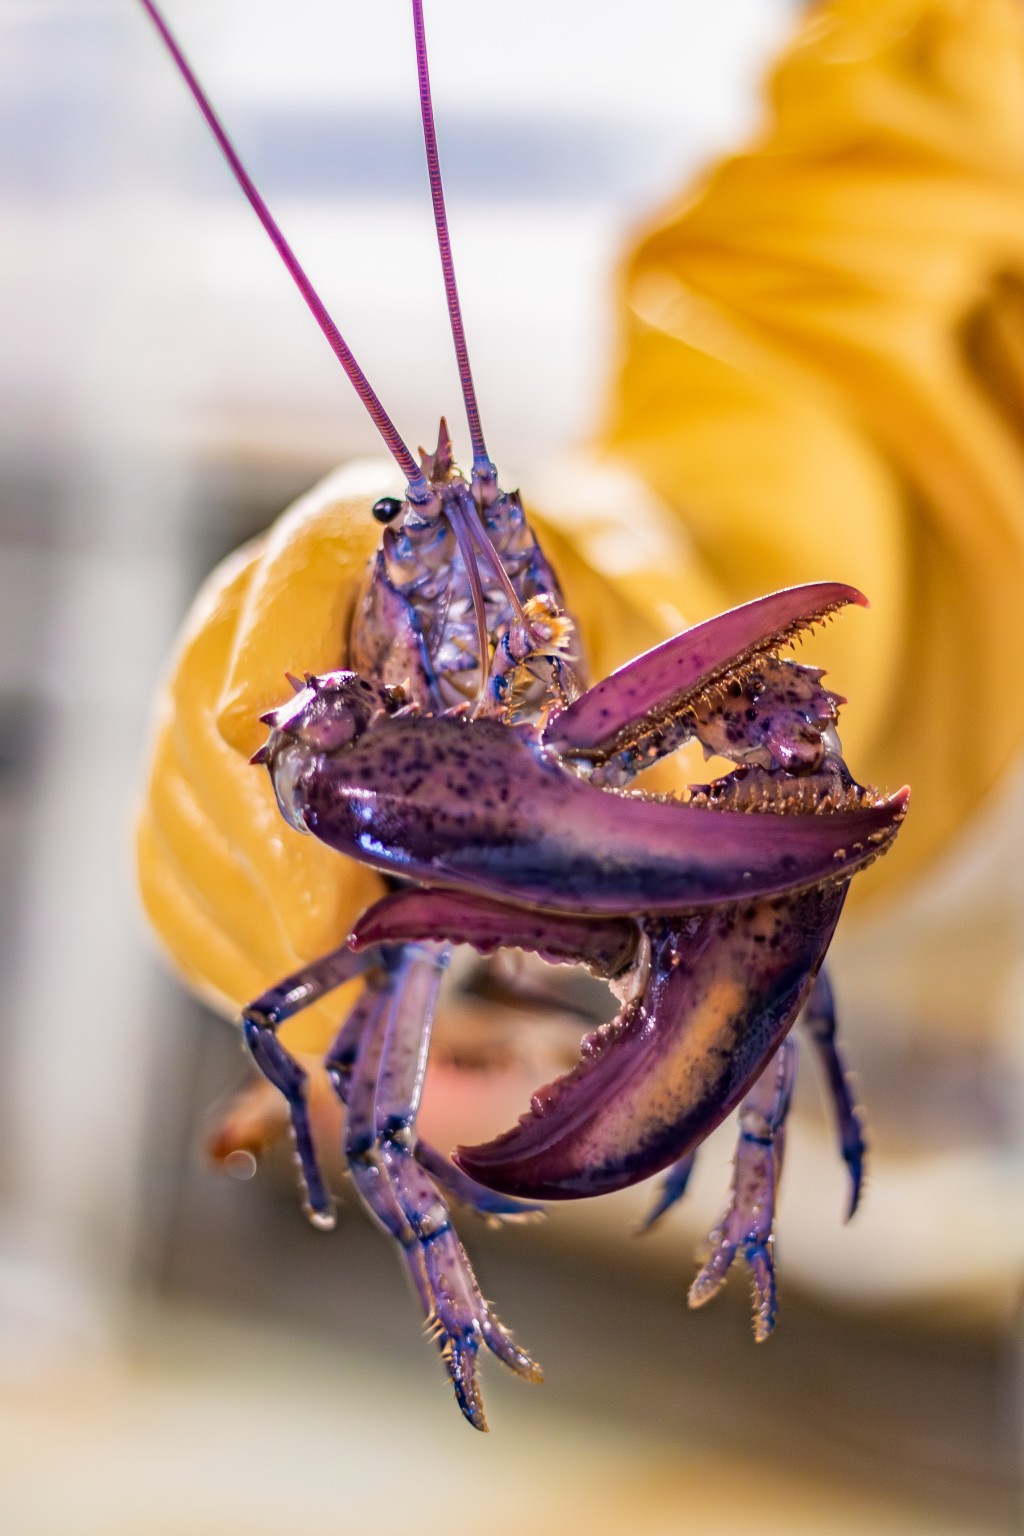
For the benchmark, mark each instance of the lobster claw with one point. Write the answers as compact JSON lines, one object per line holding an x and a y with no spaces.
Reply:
{"x":721,"y":992}
{"x":710,"y":997}
{"x":476,"y":805}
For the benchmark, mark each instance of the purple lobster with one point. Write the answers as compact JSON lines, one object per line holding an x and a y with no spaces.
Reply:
{"x":463,"y":758}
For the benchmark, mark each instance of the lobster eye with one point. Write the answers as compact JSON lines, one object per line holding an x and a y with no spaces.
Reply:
{"x":387,"y":509}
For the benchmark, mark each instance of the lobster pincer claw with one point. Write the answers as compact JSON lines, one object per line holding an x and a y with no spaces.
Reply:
{"x":481,"y":806}
{"x":721,"y":992}
{"x":707,"y":997}
{"x":509,"y":812}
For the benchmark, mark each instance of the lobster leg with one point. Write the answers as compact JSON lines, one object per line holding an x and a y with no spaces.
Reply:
{"x":260,"y":1023}
{"x":746,"y":1227}
{"x":819,"y":1021}
{"x":672,"y":1188}
{"x":358,"y":1091}
{"x":340,"y":1063}
{"x":343,"y":1053}
{"x":380,"y":1141}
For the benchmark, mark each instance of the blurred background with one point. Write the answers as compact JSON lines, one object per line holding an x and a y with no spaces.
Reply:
{"x":180,"y":1353}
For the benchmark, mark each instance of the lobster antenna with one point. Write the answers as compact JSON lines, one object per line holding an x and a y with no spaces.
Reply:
{"x":483,"y":469}
{"x":417,"y":489}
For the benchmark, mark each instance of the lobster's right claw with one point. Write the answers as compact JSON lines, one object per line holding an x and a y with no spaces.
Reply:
{"x":481,"y":807}
{"x":488,"y":808}
{"x":721,"y":993}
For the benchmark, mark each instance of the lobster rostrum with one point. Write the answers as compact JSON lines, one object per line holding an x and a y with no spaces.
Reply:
{"x":461,"y":755}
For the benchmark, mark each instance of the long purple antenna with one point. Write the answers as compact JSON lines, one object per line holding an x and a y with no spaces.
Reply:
{"x":418,"y":490}
{"x":482,"y":467}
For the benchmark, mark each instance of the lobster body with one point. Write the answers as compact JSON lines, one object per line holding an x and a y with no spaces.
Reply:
{"x":460,"y":755}
{"x":719,"y":911}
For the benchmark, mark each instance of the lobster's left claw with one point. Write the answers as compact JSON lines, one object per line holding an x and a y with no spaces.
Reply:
{"x":477,"y":806}
{"x":524,"y":816}
{"x":711,"y":996}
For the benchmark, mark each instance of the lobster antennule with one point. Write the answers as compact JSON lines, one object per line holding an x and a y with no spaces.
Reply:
{"x":464,"y":538}
{"x":418,"y":490}
{"x":487,"y":549}
{"x":483,"y":469}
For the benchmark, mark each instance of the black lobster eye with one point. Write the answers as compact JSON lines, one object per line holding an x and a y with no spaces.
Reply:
{"x":387,"y":509}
